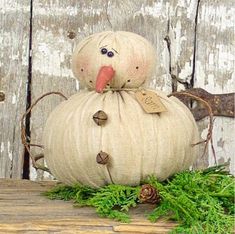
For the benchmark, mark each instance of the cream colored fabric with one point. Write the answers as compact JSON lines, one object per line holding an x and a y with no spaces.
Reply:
{"x":133,"y":61}
{"x":138,"y":143}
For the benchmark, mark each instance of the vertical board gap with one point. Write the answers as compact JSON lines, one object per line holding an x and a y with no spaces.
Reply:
{"x":26,"y":161}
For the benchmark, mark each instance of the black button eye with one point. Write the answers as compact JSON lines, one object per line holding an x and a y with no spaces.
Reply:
{"x":137,"y":67}
{"x":103,"y":51}
{"x":110,"y":54}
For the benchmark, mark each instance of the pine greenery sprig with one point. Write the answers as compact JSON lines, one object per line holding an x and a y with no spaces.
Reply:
{"x":65,"y":192}
{"x":200,"y":201}
{"x":112,"y":201}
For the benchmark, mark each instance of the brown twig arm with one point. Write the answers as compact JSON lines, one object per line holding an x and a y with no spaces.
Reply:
{"x":210,"y":128}
{"x":24,"y":139}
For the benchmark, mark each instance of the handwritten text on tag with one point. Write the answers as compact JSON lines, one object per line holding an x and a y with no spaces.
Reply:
{"x":149,"y":101}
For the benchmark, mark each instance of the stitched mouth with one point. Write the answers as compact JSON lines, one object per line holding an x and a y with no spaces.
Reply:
{"x":127,"y":81}
{"x":123,"y":86}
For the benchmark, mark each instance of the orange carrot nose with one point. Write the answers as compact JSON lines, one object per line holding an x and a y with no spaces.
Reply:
{"x":106,"y":73}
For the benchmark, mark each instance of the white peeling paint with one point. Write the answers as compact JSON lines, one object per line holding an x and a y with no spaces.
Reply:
{"x":13,"y":100}
{"x":2,"y":147}
{"x":12,"y":6}
{"x":220,"y":16}
{"x":156,"y":10}
{"x":9,"y":151}
{"x":191,"y":9}
{"x":186,"y":71}
{"x":226,"y":57}
{"x":211,"y":59}
{"x":43,"y":9}
{"x":215,"y":70}
{"x":224,"y":128}
{"x":33,"y":173}
{"x":164,"y":61}
{"x":204,"y":133}
{"x":43,"y":48}
{"x":177,"y":40}
{"x":68,"y":10}
{"x":208,"y":81}
{"x":48,"y":58}
{"x":231,"y":83}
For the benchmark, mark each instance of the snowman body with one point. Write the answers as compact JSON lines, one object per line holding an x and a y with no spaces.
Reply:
{"x":137,"y":143}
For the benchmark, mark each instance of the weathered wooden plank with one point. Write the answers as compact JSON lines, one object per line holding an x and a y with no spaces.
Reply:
{"x":214,"y":71}
{"x":37,"y":214}
{"x":180,"y":41}
{"x":14,"y":38}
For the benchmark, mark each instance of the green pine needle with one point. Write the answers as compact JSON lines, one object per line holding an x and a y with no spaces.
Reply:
{"x":65,"y":192}
{"x":112,"y":201}
{"x":200,"y":201}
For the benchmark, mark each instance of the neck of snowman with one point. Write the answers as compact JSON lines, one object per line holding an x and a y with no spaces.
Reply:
{"x":119,"y":89}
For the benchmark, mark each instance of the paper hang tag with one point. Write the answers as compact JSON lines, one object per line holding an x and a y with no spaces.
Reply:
{"x":150,"y":102}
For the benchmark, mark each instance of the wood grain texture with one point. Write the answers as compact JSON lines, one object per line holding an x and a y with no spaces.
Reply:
{"x":33,"y":213}
{"x":14,"y":38}
{"x":214,"y":71}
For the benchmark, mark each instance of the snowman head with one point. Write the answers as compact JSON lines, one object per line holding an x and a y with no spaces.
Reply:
{"x":113,"y":59}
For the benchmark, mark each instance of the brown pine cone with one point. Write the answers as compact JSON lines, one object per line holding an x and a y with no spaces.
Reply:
{"x":149,"y":194}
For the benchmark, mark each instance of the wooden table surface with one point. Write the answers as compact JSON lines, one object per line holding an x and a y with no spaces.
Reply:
{"x":24,"y":210}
